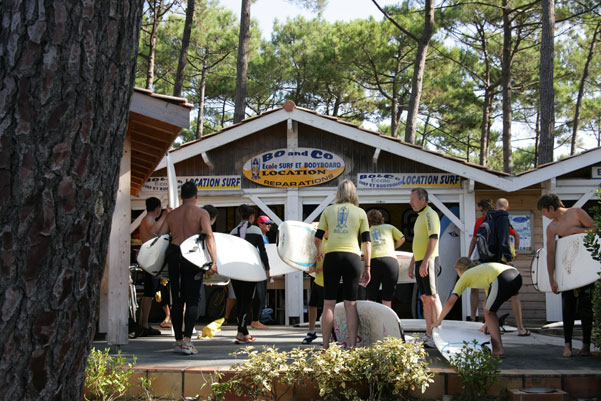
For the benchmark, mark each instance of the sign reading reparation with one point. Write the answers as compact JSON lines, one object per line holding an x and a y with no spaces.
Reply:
{"x":293,"y":168}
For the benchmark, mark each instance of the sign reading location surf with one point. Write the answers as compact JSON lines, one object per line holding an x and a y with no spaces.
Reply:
{"x":398,"y":180}
{"x":293,"y":168}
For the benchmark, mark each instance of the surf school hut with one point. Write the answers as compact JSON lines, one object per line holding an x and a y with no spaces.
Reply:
{"x":154,"y":123}
{"x":574,"y":179}
{"x":289,"y":161}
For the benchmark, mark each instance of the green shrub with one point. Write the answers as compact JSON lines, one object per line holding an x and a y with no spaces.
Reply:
{"x":259,"y":375}
{"x":390,"y":368}
{"x":478,"y":369}
{"x":593,"y":244}
{"x":107,"y":377}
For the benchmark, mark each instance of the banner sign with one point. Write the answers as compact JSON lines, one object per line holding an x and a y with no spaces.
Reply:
{"x":293,"y":168}
{"x":159,"y":184}
{"x":399,"y":180}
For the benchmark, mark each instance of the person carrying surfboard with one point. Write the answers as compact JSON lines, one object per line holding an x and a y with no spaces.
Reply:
{"x":245,"y":290}
{"x":385,"y":238}
{"x":345,"y":221}
{"x":484,"y":205}
{"x":152,"y":221}
{"x":564,"y":222}
{"x":500,"y":282}
{"x":183,"y":222}
{"x":424,"y":262}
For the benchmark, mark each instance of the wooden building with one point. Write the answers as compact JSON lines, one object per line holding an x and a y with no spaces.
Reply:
{"x":289,"y":161}
{"x":154,"y":123}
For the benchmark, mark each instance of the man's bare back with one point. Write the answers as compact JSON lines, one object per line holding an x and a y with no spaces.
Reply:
{"x":186,"y":221}
{"x":570,"y":221}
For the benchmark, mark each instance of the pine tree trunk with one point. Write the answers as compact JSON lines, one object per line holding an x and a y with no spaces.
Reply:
{"x":506,"y":79}
{"x":242,"y":65}
{"x":583,"y":79}
{"x":201,"y":103}
{"x":183,"y":53}
{"x":418,"y":72}
{"x":547,"y":93}
{"x":485,"y":126}
{"x":152,"y":45}
{"x":67,"y":73}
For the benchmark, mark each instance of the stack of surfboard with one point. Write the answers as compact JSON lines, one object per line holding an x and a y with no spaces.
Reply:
{"x":574,"y":265}
{"x":376,"y":322}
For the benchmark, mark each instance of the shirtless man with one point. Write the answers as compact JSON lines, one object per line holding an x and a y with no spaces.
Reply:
{"x":186,"y":278}
{"x":148,"y":225}
{"x":567,"y":221}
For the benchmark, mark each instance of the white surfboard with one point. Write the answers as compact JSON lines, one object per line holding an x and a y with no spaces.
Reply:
{"x":451,"y":334}
{"x":574,"y":265}
{"x":151,"y":256}
{"x":277,"y":267}
{"x":404,"y":259}
{"x":295,"y":244}
{"x":376,"y":322}
{"x":420,"y":324}
{"x":236,"y":257}
{"x":449,"y":249}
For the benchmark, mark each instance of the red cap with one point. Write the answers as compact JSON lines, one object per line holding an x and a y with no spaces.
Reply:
{"x":264,"y":220}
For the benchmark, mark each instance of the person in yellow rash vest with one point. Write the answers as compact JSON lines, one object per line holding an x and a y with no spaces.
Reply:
{"x":345,"y":222}
{"x":500,"y":282}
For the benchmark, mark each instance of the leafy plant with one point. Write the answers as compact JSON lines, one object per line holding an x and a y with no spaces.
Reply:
{"x":478,"y":369}
{"x":390,"y":368}
{"x":259,"y":375}
{"x":592,"y":242}
{"x":107,"y":377}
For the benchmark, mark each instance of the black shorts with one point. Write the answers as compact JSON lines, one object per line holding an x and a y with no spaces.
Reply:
{"x":384,"y":272}
{"x":506,"y":285}
{"x":341,"y":264}
{"x":427,"y":285}
{"x":316,"y":298}
{"x":151,"y":285}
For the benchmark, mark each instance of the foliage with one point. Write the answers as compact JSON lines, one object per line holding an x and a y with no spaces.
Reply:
{"x":259,"y":375}
{"x":386,"y":370}
{"x":107,"y":377}
{"x":478,"y":369}
{"x":361,"y":71}
{"x":592,"y":242}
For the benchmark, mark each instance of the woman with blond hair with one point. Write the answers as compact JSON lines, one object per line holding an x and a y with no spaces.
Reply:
{"x":385,"y":238}
{"x":500,"y":282}
{"x":345,"y":222}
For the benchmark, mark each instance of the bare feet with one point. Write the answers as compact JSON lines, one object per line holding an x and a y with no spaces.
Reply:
{"x":567,"y":350}
{"x":585,"y":350}
{"x":258,"y":325}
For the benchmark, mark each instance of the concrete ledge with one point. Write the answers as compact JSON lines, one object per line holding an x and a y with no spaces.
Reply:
{"x":193,"y":381}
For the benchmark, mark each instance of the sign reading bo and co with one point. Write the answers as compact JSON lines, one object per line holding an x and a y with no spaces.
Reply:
{"x":294,"y":167}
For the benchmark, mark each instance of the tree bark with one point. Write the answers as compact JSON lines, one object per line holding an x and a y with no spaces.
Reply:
{"x":242,"y":64}
{"x":201,"y":102}
{"x":506,"y":79}
{"x":547,"y":93}
{"x":152,"y":44}
{"x":418,"y":72}
{"x":485,"y":126}
{"x":583,"y":79}
{"x":67,"y":71}
{"x":183,"y":53}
